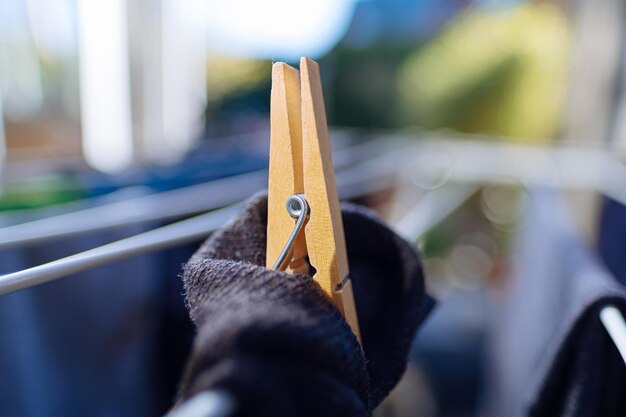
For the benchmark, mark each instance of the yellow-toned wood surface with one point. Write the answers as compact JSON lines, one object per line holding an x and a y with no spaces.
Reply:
{"x":324,"y":231}
{"x":285,"y":165}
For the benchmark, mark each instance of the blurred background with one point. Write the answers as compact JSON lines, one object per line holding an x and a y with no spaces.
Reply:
{"x":474,"y":103}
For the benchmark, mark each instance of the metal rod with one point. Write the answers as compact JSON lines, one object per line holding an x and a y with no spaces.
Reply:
{"x":161,"y":206}
{"x":153,"y":240}
{"x":360,"y":180}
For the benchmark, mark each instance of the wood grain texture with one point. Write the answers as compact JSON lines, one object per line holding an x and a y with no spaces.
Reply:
{"x":285,"y":165}
{"x":324,"y":232}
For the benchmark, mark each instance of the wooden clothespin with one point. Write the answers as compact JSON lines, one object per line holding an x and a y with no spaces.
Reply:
{"x":301,"y":173}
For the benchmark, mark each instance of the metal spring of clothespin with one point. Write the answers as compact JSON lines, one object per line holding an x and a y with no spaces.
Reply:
{"x":298,"y":208}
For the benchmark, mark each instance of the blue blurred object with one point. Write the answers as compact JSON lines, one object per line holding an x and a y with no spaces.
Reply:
{"x":450,"y":352}
{"x":612,"y":238}
{"x":107,"y":342}
{"x":400,"y":20}
{"x":199,"y":166}
{"x":111,"y":341}
{"x":550,"y":353}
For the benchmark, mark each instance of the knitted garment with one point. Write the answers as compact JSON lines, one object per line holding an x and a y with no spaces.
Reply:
{"x":275,"y":342}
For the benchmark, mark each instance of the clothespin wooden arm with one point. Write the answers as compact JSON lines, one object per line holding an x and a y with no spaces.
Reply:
{"x":285,"y":169}
{"x":324,"y":232}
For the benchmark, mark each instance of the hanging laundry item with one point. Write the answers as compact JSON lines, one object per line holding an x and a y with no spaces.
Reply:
{"x":551,"y":354}
{"x":612,"y":238}
{"x":276,"y":343}
{"x":108,"y":342}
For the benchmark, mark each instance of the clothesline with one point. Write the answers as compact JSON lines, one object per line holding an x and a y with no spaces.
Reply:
{"x":151,"y":241}
{"x":363,"y":179}
{"x":153,"y":207}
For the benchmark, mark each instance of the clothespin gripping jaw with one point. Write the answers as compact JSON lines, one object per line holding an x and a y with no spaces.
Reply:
{"x":324,"y":231}
{"x":285,"y":171}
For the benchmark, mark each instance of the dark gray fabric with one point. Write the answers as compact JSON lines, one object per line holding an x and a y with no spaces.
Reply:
{"x":276,"y":342}
{"x":552,"y":356}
